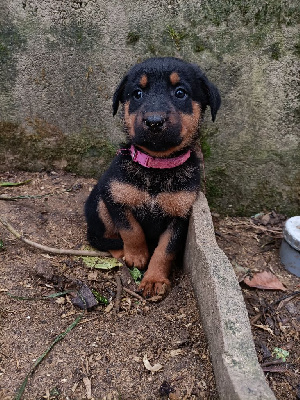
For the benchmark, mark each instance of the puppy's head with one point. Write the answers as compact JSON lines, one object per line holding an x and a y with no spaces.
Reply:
{"x":164,"y":100}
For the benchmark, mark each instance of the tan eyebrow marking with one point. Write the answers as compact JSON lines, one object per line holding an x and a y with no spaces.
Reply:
{"x":174,"y":78}
{"x":143,"y":81}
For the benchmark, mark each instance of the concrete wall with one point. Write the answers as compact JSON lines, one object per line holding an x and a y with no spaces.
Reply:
{"x":60,"y":61}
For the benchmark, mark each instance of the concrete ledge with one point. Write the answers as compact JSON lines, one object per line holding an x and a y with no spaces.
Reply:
{"x":223,"y":312}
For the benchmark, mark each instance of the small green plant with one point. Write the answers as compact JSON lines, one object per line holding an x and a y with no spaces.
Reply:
{"x":176,"y":36}
{"x":137,"y":275}
{"x":280,"y":354}
{"x":132,"y":37}
{"x":275,"y":51}
{"x":101,"y":299}
{"x":2,"y":246}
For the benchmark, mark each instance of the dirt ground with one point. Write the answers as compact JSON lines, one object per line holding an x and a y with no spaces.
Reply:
{"x":104,"y":356}
{"x":252,"y":245}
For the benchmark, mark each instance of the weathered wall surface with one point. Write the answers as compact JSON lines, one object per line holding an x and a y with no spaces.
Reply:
{"x":61,"y":60}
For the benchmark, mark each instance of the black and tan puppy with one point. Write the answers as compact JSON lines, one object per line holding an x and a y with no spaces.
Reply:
{"x":140,"y":207}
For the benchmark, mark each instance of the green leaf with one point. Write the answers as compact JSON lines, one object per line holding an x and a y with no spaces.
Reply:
{"x":101,"y":262}
{"x":6,"y":184}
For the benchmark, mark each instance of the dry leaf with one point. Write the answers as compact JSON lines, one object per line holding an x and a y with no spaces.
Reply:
{"x":88,"y":387}
{"x":92,"y":276}
{"x":109,"y":307}
{"x":148,"y":366}
{"x":46,"y":256}
{"x":264,"y":280}
{"x":174,"y":353}
{"x":60,"y":300}
{"x":265,"y":328}
{"x":74,"y":387}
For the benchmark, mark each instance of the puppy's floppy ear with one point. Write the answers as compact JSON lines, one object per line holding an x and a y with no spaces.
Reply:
{"x":211,"y":96}
{"x":118,"y":95}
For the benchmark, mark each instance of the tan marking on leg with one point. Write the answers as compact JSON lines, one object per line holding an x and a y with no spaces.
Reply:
{"x":129,"y":120}
{"x":143,"y":81}
{"x":124,"y":193}
{"x":155,"y":281}
{"x":176,"y":204}
{"x":135,"y":247}
{"x":110,"y":229}
{"x":174,"y":78}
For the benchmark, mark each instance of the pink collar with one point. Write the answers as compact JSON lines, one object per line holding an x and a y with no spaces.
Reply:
{"x":155,"y":162}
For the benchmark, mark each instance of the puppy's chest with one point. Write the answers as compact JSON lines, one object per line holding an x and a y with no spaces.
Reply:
{"x":172,"y":203}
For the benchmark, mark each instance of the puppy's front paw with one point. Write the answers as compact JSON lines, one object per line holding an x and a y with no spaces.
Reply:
{"x":154,"y":286}
{"x":138,"y":258}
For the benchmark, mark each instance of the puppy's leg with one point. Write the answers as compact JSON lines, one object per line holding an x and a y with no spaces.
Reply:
{"x":113,"y":228}
{"x":135,"y":247}
{"x":155,"y":281}
{"x":119,"y":219}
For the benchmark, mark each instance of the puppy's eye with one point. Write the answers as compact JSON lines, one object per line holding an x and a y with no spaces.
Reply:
{"x":180,"y":93}
{"x":137,"y":94}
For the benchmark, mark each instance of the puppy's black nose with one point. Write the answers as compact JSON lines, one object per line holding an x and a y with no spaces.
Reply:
{"x":155,"y":121}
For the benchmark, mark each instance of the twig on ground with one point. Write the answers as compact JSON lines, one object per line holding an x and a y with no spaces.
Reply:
{"x":119,"y":293}
{"x":251,"y":224}
{"x":126,"y":277}
{"x":53,"y":250}
{"x":133,"y":294}
{"x":286,"y":296}
{"x":28,"y":196}
{"x":125,"y":288}
{"x":273,"y":362}
{"x":22,"y":197}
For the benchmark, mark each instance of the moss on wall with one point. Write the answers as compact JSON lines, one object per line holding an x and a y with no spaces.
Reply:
{"x":41,"y":146}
